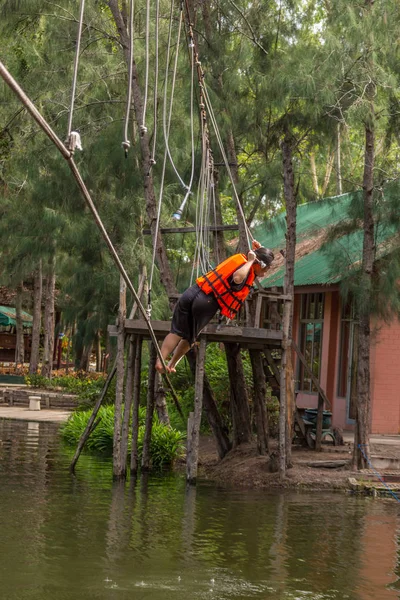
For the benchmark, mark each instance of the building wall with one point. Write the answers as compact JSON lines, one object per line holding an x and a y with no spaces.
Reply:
{"x":385,"y":369}
{"x":385,"y":378}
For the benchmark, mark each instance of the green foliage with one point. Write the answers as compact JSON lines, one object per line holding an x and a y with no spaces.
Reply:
{"x":167,"y":444}
{"x":86,"y":387}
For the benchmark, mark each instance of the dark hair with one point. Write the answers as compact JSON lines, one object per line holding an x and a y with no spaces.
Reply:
{"x":264,"y":255}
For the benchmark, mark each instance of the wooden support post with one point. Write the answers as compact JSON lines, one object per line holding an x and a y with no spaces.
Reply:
{"x":128,"y":402}
{"x":260,"y":409}
{"x":194,"y":420}
{"x":135,"y":408}
{"x":150,"y":408}
{"x":117,"y":467}
{"x":257,"y":318}
{"x":320,"y":417}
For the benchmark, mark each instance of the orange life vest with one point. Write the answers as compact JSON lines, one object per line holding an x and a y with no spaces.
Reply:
{"x":216,"y":282}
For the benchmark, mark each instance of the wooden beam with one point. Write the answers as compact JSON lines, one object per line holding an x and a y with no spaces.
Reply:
{"x":193,"y":229}
{"x":212,"y":333}
{"x":311,"y":375}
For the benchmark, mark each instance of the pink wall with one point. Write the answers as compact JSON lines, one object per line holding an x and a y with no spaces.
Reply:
{"x":385,"y":378}
{"x":385,"y":367}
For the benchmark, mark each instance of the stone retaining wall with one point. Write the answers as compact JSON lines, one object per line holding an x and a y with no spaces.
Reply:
{"x":20,"y":397}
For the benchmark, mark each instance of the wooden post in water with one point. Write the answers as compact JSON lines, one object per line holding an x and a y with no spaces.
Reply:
{"x":149,"y":408}
{"x":117,"y":467}
{"x":194,"y":420}
{"x":135,"y":408}
{"x":128,"y":402}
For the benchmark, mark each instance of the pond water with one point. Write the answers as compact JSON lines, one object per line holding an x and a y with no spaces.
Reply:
{"x":82,"y":538}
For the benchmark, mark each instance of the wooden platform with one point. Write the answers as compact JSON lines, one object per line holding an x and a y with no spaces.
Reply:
{"x":249,"y":337}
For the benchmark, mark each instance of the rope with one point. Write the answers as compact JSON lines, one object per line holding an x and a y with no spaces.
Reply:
{"x":10,"y":81}
{"x":75,"y":142}
{"x":153,"y":154}
{"x":165,"y":128}
{"x":222,"y":150}
{"x":143,"y":128}
{"x":178,"y":213}
{"x":126,"y":143}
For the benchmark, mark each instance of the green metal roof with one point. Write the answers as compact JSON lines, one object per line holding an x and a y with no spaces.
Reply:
{"x":325,"y":264}
{"x":8,"y":317}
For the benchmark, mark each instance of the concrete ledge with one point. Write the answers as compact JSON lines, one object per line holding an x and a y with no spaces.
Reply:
{"x":13,"y":396}
{"x":24,"y":414}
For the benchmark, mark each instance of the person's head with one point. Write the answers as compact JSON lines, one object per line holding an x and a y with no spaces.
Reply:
{"x":264,"y":260}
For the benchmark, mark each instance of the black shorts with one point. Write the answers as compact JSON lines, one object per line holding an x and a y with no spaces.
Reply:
{"x":192,"y":313}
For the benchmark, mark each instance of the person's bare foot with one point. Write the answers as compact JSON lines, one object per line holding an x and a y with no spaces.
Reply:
{"x":159,"y":366}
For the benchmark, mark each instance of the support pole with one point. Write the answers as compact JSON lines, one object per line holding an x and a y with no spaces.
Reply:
{"x":128,"y":402}
{"x":117,"y":466}
{"x":135,"y":407}
{"x":194,"y":420}
{"x":149,"y":408}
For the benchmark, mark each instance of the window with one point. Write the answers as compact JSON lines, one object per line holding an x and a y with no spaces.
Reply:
{"x":311,"y":325}
{"x":346,"y":325}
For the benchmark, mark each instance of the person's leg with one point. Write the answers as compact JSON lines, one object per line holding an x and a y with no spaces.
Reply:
{"x":168,"y":346}
{"x":182,"y":348}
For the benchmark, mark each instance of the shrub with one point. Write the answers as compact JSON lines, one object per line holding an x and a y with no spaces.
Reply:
{"x":166,"y":444}
{"x":87,"y":386}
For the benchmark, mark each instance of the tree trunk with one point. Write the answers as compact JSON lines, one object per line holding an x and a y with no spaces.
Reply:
{"x":287,"y":382}
{"x":260,"y":395}
{"x":241,"y":424}
{"x":117,"y":465}
{"x":339,"y":189}
{"x":20,"y":345}
{"x":328,"y":172}
{"x":98,"y":351}
{"x":37,"y":319}
{"x":364,"y":329}
{"x":210,"y":407}
{"x":85,"y":357}
{"x":314,"y":177}
{"x":48,"y":349}
{"x":166,"y":275}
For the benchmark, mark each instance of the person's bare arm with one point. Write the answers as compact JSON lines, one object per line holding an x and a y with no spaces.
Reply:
{"x":241,"y":274}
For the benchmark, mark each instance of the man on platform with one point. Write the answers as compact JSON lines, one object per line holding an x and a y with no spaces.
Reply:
{"x":224,"y":288}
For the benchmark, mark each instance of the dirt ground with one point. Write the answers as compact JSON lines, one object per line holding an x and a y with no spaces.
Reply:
{"x":244,"y":467}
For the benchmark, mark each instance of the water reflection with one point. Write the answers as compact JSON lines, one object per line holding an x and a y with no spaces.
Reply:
{"x":68,"y":537}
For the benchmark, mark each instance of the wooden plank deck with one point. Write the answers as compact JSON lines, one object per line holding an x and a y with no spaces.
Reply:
{"x":251,"y":337}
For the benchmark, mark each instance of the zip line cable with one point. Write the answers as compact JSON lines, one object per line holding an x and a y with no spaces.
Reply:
{"x":126,"y":143}
{"x":73,"y":137}
{"x":14,"y":86}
